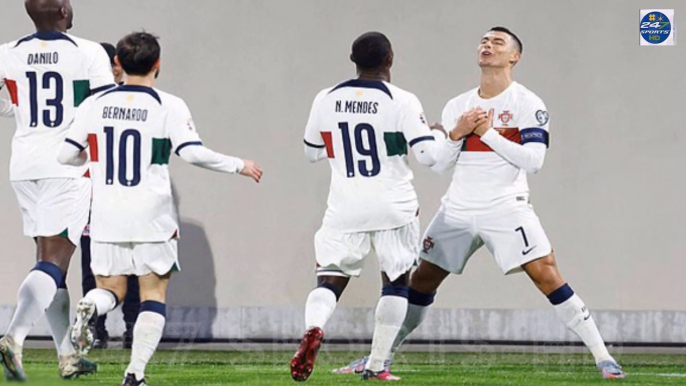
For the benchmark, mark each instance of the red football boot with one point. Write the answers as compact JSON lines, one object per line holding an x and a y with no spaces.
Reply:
{"x":302,"y":363}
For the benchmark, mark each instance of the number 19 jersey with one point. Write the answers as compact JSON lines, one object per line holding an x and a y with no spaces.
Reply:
{"x":48,"y":75}
{"x":131,"y":132}
{"x":365,"y":128}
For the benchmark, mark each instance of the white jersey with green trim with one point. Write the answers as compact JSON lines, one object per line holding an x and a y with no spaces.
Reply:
{"x":48,"y":75}
{"x":130,"y":133}
{"x":490,"y":171}
{"x":366,"y":128}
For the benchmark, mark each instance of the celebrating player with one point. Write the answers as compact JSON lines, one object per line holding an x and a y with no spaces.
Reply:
{"x":364,"y":126}
{"x":131,"y":131}
{"x":48,"y":74}
{"x":488,"y":200}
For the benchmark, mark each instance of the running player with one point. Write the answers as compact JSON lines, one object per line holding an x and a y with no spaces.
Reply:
{"x":131,"y":132}
{"x":488,"y":200}
{"x":131,"y":304}
{"x":364,"y":126}
{"x":48,"y":74}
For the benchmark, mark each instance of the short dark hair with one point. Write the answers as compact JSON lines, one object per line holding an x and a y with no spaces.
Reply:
{"x":370,"y":50}
{"x":138,"y":52}
{"x":111,"y":51}
{"x":520,"y":46}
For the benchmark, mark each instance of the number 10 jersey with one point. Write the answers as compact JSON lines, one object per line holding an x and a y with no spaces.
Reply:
{"x":366,"y":127}
{"x":130,"y":133}
{"x":48,"y":75}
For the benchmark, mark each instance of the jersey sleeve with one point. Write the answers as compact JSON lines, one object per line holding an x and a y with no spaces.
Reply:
{"x":100,"y":73}
{"x":180,"y":127}
{"x":3,"y":58}
{"x":535,"y":124}
{"x":77,"y":136}
{"x":413,"y":122}
{"x":313,"y":137}
{"x":451,"y":149}
{"x":5,"y":106}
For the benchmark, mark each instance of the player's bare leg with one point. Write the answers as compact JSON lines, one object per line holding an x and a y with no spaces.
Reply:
{"x":572,"y":311}
{"x":424,"y":283}
{"x":147,"y":332}
{"x":320,"y":305}
{"x":389,"y":317}
{"x":36,"y":295}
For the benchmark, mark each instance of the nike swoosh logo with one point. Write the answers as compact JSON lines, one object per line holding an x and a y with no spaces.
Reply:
{"x":587,"y":316}
{"x":524,"y":253}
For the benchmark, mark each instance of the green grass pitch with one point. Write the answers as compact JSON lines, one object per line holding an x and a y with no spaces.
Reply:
{"x":271,"y":368}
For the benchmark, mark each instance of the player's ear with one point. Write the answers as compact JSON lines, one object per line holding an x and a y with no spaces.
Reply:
{"x":389,"y":60}
{"x":156,"y":68}
{"x":515,"y":58}
{"x":116,"y":61}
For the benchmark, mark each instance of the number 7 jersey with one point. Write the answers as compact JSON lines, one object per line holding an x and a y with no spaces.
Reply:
{"x":48,"y":75}
{"x":130,"y":133}
{"x":366,"y":128}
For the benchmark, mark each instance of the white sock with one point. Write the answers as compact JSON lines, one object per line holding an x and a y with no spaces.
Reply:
{"x":414,"y":317}
{"x":576,"y":316}
{"x":390,"y":313}
{"x":59,"y":320}
{"x":147,"y":334}
{"x":104,"y":300}
{"x":34,"y":297}
{"x":320,"y":305}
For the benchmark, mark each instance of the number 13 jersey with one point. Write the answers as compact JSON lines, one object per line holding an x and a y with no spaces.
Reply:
{"x":48,"y":75}
{"x":366,"y":128}
{"x":130,"y":133}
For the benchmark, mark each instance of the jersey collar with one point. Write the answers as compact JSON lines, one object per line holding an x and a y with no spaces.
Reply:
{"x":363,"y":83}
{"x":133,"y":88}
{"x":48,"y":36}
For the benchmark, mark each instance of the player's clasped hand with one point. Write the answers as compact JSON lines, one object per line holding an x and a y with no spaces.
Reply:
{"x":485,"y":124}
{"x":467,"y":123}
{"x":252,"y":170}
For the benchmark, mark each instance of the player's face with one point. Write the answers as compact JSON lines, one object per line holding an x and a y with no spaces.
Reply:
{"x":497,"y":49}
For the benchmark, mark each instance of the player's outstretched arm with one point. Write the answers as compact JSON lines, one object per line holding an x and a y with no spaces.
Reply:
{"x":428,"y":144}
{"x":428,"y":149}
{"x":205,"y":158}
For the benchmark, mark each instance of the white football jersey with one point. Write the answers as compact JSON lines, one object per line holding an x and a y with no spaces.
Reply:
{"x":131,"y":132}
{"x":48,"y":75}
{"x":366,"y":128}
{"x":484,"y":181}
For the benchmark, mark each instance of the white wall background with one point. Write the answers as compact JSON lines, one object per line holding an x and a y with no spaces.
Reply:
{"x":610,"y":195}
